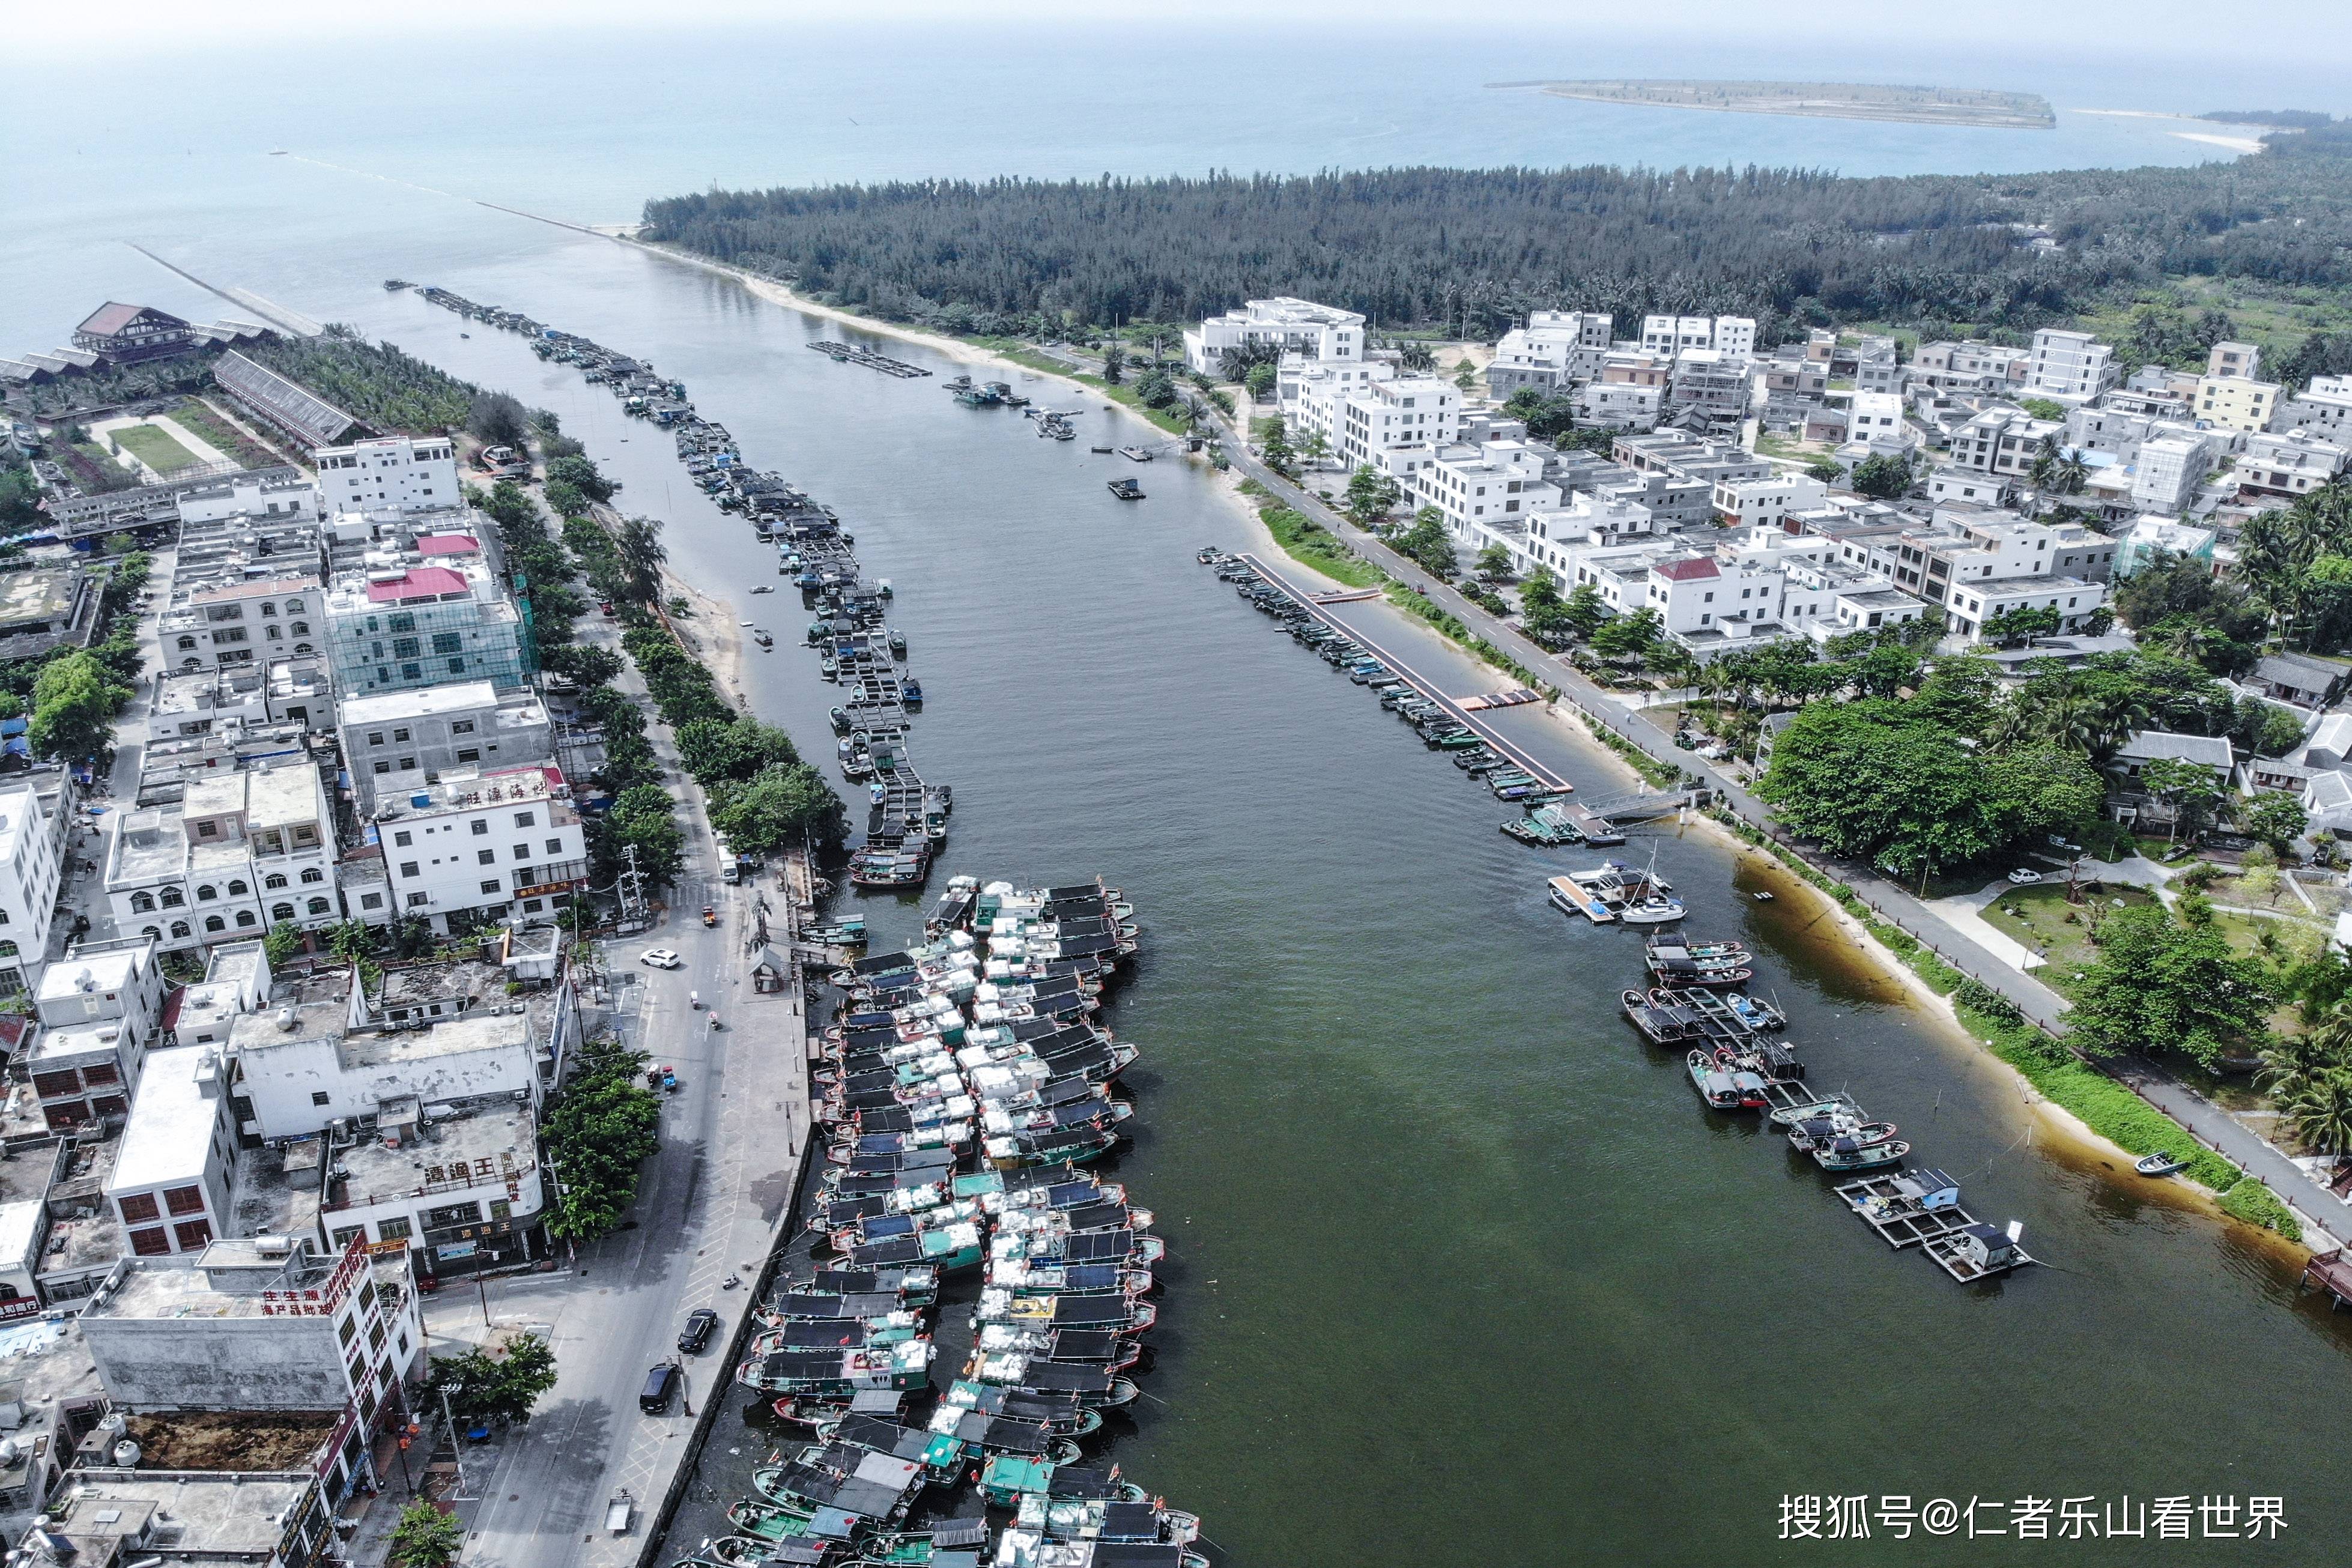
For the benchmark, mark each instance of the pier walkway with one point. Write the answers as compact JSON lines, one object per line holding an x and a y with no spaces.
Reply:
{"x":2212,"y":1125}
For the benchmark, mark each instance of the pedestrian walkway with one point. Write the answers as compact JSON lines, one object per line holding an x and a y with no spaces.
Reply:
{"x":1963,"y":950}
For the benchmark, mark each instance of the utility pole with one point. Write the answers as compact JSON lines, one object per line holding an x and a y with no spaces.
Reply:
{"x":456,"y":1442}
{"x":632,"y":888}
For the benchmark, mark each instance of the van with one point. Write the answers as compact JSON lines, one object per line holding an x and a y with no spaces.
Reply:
{"x":661,"y":1386}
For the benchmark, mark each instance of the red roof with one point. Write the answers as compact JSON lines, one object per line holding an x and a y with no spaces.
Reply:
{"x":1690,"y":569}
{"x":447,"y":544}
{"x":111,"y":318}
{"x":417,"y":583}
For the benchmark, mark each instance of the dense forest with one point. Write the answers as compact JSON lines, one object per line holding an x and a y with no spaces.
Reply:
{"x":1471,"y":249}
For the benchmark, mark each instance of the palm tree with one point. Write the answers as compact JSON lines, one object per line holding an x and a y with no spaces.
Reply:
{"x":2012,"y":725}
{"x":2070,"y":473}
{"x":637,"y":541}
{"x":2322,"y":1115}
{"x":2046,"y":458}
{"x":1416,"y":356}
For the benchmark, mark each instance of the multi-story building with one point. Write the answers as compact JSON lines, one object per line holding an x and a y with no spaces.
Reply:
{"x":402,"y":628}
{"x":393,"y":472}
{"x":98,"y":1008}
{"x":1710,"y":390}
{"x":2326,"y":414}
{"x":1973,"y":366}
{"x":1744,"y":503}
{"x":2286,"y":466}
{"x":1554,"y":349}
{"x":2235,"y":402}
{"x":2069,"y":366}
{"x":482,"y":842}
{"x":1374,"y":422}
{"x":2169,"y":469}
{"x":397,"y":742}
{"x":239,"y":853}
{"x":226,"y":625}
{"x":170,"y":1189}
{"x":1975,"y":563}
{"x":2002,"y":440}
{"x":2234,"y":360}
{"x":47,"y":605}
{"x":36,"y":823}
{"x":1874,"y":420}
{"x":2150,"y":538}
{"x":458,"y":1180}
{"x":1324,"y":381}
{"x":1620,"y":406}
{"x":1670,"y":335}
{"x":1301,"y":326}
{"x":1470,"y":484}
{"x":1878,"y":366}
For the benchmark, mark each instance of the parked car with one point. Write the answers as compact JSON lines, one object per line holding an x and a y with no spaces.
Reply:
{"x":700,"y":1324}
{"x":660,"y":958}
{"x":2023,"y":877}
{"x":661,"y":1387}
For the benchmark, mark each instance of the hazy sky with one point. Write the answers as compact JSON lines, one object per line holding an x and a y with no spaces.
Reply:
{"x":2236,"y":29}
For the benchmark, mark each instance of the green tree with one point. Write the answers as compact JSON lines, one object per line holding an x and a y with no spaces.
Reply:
{"x":75,"y":699}
{"x":1495,"y":562}
{"x":1427,"y":544}
{"x":1548,"y":416}
{"x":1884,"y":477}
{"x":642,"y":818}
{"x":1371,"y":493}
{"x":1259,"y":379}
{"x":2042,"y":408}
{"x":584,"y":663}
{"x":2321,"y":1113}
{"x":565,"y":500}
{"x":2278,"y":820}
{"x":1244,"y":360}
{"x":778,"y":807}
{"x":1155,"y":388}
{"x":1415,"y":355}
{"x":495,"y":419}
{"x":501,"y":1387}
{"x":1114,"y":369}
{"x":720,"y":749}
{"x":1826,"y":471}
{"x":2012,"y":627}
{"x":425,"y":1537}
{"x":582,"y":475}
{"x":1634,"y":636}
{"x":2189,"y":788}
{"x":2161,"y":985}
{"x":599,"y":1129}
{"x":637,"y":544}
{"x":1584,"y":610}
{"x":282,"y":942}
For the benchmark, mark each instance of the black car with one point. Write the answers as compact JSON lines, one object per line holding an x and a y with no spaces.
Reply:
{"x":699,"y":1326}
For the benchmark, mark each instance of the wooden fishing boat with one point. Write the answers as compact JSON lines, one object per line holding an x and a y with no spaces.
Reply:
{"x":1126,"y":489}
{"x":1850,"y":1154}
{"x":1713,"y":1085}
{"x":1660,"y":1029}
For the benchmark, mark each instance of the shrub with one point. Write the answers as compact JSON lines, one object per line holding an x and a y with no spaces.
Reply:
{"x":2255,"y":1204}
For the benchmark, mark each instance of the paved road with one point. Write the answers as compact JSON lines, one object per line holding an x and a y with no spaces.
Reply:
{"x":2214,"y":1125}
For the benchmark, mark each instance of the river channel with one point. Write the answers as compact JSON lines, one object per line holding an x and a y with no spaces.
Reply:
{"x":1461,"y":1272}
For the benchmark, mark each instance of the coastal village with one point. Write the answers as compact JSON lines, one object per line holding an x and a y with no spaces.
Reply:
{"x":315,"y":927}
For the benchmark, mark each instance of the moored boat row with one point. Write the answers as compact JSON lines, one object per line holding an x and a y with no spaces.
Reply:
{"x":964,"y":1091}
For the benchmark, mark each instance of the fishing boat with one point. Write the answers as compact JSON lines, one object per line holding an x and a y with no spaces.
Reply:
{"x":898,"y":642}
{"x":1677,"y":965}
{"x":1126,"y":489}
{"x":1546,"y":824}
{"x":762,"y":639}
{"x":1852,"y":1154}
{"x":1661,"y":1028}
{"x":1713,"y":1085}
{"x":1817,"y":1131}
{"x":839,"y":718}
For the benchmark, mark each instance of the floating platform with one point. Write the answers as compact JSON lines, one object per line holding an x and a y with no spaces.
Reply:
{"x":1907,"y":1208}
{"x":1516,"y":697}
{"x":845,"y":354}
{"x":1570,"y":899}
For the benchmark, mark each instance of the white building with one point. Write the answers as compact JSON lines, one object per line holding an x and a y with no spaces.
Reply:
{"x":1373,"y":423}
{"x":170,"y":1184}
{"x":1670,"y":335}
{"x":239,"y":853}
{"x":480,"y":843}
{"x":397,"y":742}
{"x":2169,"y":469}
{"x":1973,"y":366}
{"x":1553,"y":350}
{"x":2069,"y":366}
{"x":1875,"y":419}
{"x":395,"y":473}
{"x":277,"y":494}
{"x":226,"y":625}
{"x":2323,"y":409}
{"x":1491,"y":481}
{"x":2287,"y":466}
{"x":1744,"y":503}
{"x":34,"y":827}
{"x":1301,"y":326}
{"x":99,"y":1008}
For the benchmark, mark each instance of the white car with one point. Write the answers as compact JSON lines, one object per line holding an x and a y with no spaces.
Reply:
{"x":660,"y":958}
{"x":2024,"y":878}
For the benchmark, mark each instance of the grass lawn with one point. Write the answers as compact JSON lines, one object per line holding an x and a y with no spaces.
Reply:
{"x":2045,"y":923}
{"x":194,"y":414}
{"x":1310,"y":544}
{"x":154,"y":445}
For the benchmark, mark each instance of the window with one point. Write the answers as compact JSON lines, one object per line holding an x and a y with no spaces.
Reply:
{"x":463,"y":727}
{"x":311,"y":873}
{"x":487,"y":857}
{"x":139,"y":1207}
{"x":522,"y":852}
{"x":143,"y":902}
{"x":245,"y":917}
{"x":456,"y":666}
{"x":207,"y":829}
{"x":184,"y":1199}
{"x":402,"y":839}
{"x":214,"y":923}
{"x":409,"y":765}
{"x":526,"y":820}
{"x":192,"y":1235}
{"x":342,"y":1238}
{"x":179,"y":929}
{"x":492,"y":886}
{"x":452,"y":1214}
{"x":482,"y":827}
{"x":555,"y":846}
{"x":394,"y":1229}
{"x":281,"y":912}
{"x":173,"y":898}
{"x":293,"y":607}
{"x":151,"y":1243}
{"x":404,"y":621}
{"x":416,"y":900}
{"x":411,"y":672}
{"x":319,"y":906}
{"x":370,"y":900}
{"x":187,"y":642}
{"x":408,"y":868}
{"x":274,"y":881}
{"x":238,"y":888}
{"x":447,"y":643}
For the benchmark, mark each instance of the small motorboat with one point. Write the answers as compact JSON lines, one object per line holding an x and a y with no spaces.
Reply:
{"x":765,"y":588}
{"x":2159,"y":1164}
{"x":1762,"y":895}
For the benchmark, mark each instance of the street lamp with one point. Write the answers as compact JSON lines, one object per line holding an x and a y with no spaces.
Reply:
{"x":456,"y":1441}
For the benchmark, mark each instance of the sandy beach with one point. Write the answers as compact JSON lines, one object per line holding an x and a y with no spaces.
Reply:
{"x":2239,"y":143}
